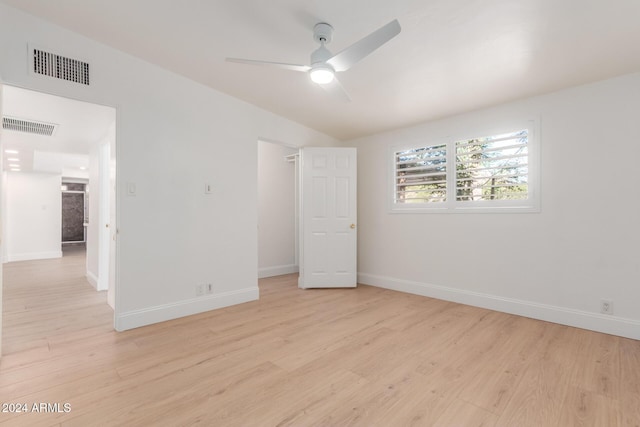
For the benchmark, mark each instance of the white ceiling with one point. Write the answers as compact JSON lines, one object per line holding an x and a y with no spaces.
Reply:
{"x":451,"y":57}
{"x":79,"y":124}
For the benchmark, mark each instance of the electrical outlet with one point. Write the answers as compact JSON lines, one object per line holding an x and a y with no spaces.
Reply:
{"x":606,"y":306}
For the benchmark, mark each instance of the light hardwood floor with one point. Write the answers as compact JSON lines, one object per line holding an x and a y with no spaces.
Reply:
{"x":362,"y":357}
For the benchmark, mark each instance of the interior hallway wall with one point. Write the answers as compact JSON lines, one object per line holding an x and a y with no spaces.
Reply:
{"x":33,"y":216}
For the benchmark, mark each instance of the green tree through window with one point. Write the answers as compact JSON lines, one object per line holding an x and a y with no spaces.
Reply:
{"x":493,"y":167}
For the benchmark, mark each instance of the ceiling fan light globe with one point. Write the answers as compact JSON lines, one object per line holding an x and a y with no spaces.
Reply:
{"x":322,"y":75}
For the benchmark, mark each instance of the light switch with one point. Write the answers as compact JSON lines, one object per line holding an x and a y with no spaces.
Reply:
{"x":131,"y":188}
{"x":208,"y":188}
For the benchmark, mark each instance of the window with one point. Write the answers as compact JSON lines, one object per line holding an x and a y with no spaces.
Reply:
{"x":493,"y":167}
{"x":421,"y":175}
{"x":490,"y":173}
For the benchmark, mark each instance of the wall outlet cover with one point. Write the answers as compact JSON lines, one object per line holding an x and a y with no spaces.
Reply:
{"x":606,"y":306}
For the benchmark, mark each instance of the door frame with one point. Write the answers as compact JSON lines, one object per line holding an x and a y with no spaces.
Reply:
{"x":84,"y":216}
{"x":2,"y":213}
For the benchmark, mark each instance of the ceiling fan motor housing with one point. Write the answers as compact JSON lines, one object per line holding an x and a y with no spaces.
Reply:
{"x":322,"y":32}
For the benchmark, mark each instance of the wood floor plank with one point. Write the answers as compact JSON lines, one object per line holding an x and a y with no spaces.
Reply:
{"x":376,"y":403}
{"x":502,"y":370}
{"x":599,"y":361}
{"x":586,"y":408}
{"x":538,"y":400}
{"x":629,"y":382}
{"x":461,"y":413}
{"x":363,"y":357}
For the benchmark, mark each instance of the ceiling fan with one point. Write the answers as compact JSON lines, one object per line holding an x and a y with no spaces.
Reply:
{"x":324,"y":64}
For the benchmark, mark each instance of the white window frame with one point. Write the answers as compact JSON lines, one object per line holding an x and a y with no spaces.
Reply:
{"x":451,"y":205}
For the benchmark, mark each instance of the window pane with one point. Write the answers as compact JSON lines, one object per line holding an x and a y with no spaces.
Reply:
{"x":421,"y":175}
{"x":493,"y":167}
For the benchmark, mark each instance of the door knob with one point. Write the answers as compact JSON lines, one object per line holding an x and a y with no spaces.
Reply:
{"x":352,"y":226}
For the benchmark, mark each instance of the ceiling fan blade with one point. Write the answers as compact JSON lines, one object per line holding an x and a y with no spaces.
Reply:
{"x":292,"y":67}
{"x":348,"y":57}
{"x":336,"y":90}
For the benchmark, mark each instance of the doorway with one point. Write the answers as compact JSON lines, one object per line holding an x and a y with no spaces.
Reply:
{"x":277,"y":209}
{"x":39,"y":170}
{"x":74,"y":213}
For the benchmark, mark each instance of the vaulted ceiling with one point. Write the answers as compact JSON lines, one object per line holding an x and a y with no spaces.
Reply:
{"x":451,"y":56}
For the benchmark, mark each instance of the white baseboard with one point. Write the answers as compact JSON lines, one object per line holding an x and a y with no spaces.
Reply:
{"x":150,"y":315}
{"x":278,"y":270}
{"x":608,"y":324}
{"x":92,"y":279}
{"x":33,"y":256}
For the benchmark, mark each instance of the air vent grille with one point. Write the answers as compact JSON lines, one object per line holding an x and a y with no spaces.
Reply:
{"x":28,"y":126}
{"x":60,"y":67}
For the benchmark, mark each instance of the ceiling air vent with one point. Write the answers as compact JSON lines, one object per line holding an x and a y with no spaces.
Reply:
{"x":28,"y":126}
{"x":60,"y":67}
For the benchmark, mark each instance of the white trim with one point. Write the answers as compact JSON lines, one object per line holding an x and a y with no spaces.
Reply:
{"x":277,"y":270}
{"x":628,"y":328}
{"x":284,"y":144}
{"x":103,"y":283}
{"x":161,"y":313}
{"x":92,"y":279}
{"x":33,"y":256}
{"x":104,"y":214}
{"x":75,"y":180}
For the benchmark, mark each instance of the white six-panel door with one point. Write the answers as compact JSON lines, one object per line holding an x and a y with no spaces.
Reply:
{"x":328,"y":216}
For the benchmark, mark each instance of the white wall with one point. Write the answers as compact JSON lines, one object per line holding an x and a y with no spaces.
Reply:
{"x":173,"y":136}
{"x":276,"y":210}
{"x":556,"y":264}
{"x":34,"y":220}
